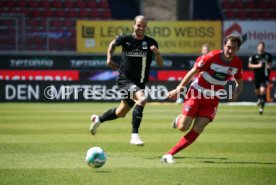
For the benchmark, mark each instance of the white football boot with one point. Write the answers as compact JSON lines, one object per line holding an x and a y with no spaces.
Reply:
{"x":95,"y":124}
{"x":168,"y":158}
{"x":261,"y":111}
{"x":135,"y":140}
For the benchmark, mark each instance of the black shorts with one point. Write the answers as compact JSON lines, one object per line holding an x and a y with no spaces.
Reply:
{"x":261,"y":82}
{"x":127,"y":88}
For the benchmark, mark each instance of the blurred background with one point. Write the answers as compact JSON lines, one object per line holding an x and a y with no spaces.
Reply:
{"x":63,"y":42}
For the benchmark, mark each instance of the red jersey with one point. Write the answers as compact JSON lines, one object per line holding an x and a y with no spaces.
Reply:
{"x":215,"y":72}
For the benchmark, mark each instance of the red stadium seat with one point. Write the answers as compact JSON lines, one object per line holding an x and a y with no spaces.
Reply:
{"x":107,"y":14}
{"x":226,"y":5}
{"x":22,"y":3}
{"x":68,"y":4}
{"x":91,"y":4}
{"x":45,"y":4}
{"x":36,"y":13}
{"x":238,"y":5}
{"x":250,"y":5}
{"x":254,"y":15}
{"x":33,"y":3}
{"x":57,"y":23}
{"x":60,"y":13}
{"x":57,"y":4}
{"x":80,"y":4}
{"x":48,"y":13}
{"x":71,"y":13}
{"x":102,"y":4}
{"x":230,"y":14}
{"x":9,"y":4}
{"x":83,"y":13}
{"x":242,"y":14}
{"x":69,"y":23}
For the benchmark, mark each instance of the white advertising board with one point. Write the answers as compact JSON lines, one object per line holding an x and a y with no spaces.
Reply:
{"x":253,"y":32}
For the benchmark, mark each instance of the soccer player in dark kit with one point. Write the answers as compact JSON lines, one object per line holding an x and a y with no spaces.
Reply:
{"x":137,"y":53}
{"x":261,"y":63}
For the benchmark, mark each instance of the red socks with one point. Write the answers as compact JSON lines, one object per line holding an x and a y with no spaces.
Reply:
{"x":185,"y":141}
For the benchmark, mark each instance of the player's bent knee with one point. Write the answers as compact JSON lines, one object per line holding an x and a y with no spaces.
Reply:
{"x":142,"y":100}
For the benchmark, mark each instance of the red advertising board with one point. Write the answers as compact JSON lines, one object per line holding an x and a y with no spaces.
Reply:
{"x":36,"y":75}
{"x":177,"y":75}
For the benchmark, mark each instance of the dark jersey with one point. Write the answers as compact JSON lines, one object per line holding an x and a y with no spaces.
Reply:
{"x":136,"y":57}
{"x":264,"y":58}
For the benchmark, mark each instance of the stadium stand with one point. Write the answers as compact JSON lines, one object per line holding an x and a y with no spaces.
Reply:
{"x":248,"y":9}
{"x":46,"y":25}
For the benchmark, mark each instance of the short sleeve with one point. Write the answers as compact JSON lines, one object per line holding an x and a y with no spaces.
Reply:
{"x":202,"y":62}
{"x":155,"y":43}
{"x":119,"y":40}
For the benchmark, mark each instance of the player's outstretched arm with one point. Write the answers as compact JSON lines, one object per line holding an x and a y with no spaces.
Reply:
{"x":110,"y":51}
{"x":173,"y":94}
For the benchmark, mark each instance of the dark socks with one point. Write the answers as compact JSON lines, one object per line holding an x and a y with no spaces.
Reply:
{"x":108,"y":115}
{"x":137,"y":118}
{"x":263,"y":100}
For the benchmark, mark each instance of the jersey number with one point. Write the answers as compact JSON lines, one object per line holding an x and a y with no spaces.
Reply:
{"x":144,"y":62}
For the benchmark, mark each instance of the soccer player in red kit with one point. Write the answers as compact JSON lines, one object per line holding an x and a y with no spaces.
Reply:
{"x":201,"y":101}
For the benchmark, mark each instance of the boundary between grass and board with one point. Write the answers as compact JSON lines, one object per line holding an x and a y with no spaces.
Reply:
{"x":222,"y":103}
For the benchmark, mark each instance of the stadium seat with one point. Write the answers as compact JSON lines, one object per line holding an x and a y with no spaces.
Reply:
{"x":238,"y":5}
{"x":22,"y":3}
{"x":91,"y":4}
{"x":48,"y":13}
{"x":254,"y":15}
{"x":226,"y":5}
{"x":102,"y":4}
{"x":80,"y":4}
{"x":250,"y":5}
{"x":57,"y":4}
{"x":45,"y":4}
{"x":230,"y":14}
{"x":69,"y":23}
{"x":57,"y":23}
{"x":36,"y":13}
{"x":242,"y":14}
{"x":60,"y":13}
{"x":9,"y":3}
{"x":33,"y":4}
{"x":107,"y":14}
{"x":72,"y":13}
{"x":83,"y":13}
{"x":68,"y":4}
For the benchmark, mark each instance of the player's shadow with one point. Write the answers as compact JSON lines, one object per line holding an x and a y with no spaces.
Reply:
{"x":103,"y":171}
{"x":222,"y":160}
{"x":204,"y":158}
{"x":214,"y":160}
{"x":239,"y":162}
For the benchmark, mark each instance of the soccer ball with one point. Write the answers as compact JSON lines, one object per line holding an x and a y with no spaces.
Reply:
{"x":95,"y":157}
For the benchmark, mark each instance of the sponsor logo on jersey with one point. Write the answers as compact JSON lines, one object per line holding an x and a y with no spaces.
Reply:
{"x":201,"y":63}
{"x":144,"y":45}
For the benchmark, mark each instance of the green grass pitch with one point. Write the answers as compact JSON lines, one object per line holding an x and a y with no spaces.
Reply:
{"x":45,"y":144}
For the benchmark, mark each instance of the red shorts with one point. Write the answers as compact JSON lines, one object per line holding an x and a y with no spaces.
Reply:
{"x":199,"y":106}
